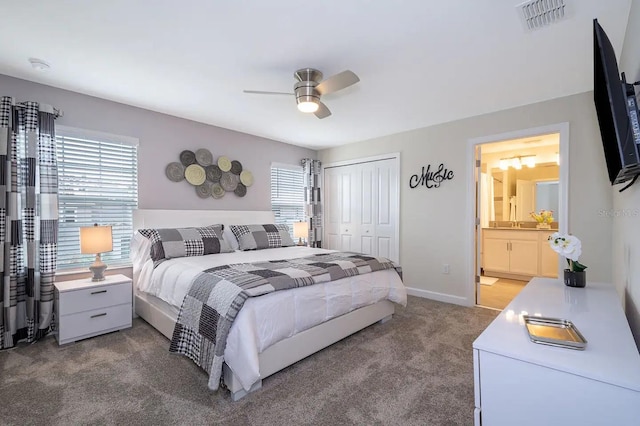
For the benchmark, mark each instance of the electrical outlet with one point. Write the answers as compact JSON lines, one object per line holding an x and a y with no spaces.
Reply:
{"x":445,"y":268}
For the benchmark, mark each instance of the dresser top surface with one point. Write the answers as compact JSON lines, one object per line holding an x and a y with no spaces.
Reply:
{"x":84,"y":283}
{"x":610,"y":356}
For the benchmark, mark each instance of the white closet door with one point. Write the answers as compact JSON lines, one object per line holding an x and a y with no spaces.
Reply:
{"x":341,"y":220}
{"x":367,"y":197}
{"x":349,"y":209}
{"x":362,"y":207}
{"x":387,"y":209}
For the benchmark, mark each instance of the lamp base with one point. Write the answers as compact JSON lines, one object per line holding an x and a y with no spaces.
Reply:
{"x":98,"y":272}
{"x":98,"y":267}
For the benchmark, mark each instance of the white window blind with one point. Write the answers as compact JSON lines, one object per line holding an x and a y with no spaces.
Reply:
{"x":98,"y":183}
{"x":287,"y":194}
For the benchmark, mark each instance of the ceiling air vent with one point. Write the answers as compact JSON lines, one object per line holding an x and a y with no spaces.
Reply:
{"x":540,"y":13}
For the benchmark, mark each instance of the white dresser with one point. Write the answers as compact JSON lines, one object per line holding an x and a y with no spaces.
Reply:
{"x":86,"y":309}
{"x":518,"y":382}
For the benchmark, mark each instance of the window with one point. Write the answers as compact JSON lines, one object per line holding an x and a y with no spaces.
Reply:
{"x":287,"y":194}
{"x":98,"y":183}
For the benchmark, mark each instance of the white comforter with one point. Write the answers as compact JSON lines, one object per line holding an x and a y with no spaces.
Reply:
{"x":267,"y":319}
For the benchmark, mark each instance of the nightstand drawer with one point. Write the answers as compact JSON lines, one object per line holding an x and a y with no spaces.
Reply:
{"x":91,"y":298}
{"x":91,"y":323}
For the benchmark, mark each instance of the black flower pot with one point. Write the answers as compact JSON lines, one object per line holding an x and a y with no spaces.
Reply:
{"x":575,"y":278}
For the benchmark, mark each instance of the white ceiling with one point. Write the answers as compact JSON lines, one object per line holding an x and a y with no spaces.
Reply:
{"x":421,"y":62}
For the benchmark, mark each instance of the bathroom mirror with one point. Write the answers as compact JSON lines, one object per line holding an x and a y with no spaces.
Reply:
{"x":517,"y":193}
{"x":536,"y":196}
{"x":547,"y":197}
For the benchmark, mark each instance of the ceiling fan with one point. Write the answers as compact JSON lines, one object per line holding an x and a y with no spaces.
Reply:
{"x":310,"y":87}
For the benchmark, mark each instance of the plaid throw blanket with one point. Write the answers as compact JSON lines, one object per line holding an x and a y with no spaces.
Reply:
{"x":217,"y":294}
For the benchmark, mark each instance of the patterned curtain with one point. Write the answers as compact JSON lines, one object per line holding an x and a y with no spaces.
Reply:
{"x":313,"y":201}
{"x":28,"y":220}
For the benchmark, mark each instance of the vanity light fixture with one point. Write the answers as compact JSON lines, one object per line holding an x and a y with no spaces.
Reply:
{"x":517,"y":162}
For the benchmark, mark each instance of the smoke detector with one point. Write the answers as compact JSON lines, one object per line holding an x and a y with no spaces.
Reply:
{"x":536,"y":14}
{"x":39,"y":64}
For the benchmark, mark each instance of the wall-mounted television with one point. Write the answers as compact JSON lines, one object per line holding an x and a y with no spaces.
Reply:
{"x":617,"y":110}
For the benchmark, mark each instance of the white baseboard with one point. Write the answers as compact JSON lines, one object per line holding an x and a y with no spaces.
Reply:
{"x":440,"y":297}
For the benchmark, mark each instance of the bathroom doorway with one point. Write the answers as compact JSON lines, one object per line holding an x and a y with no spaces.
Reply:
{"x":519,"y":185}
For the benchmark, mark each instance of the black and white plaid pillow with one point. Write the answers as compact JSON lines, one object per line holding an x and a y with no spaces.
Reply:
{"x":169,"y":243}
{"x":256,"y":237}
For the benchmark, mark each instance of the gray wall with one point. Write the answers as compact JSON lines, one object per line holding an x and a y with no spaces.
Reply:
{"x":162,"y":137}
{"x":626,"y":210}
{"x":433,"y":221}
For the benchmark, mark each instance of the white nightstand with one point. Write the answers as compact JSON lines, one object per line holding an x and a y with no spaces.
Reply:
{"x":86,"y":309}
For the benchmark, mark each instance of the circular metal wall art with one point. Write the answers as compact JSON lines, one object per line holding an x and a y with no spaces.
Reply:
{"x":204,"y":157}
{"x":236,"y":167}
{"x":217,"y":191}
{"x":213,"y":173}
{"x":175,"y":172}
{"x":229,"y":181}
{"x":204,"y":190}
{"x":209,"y":177}
{"x":224,"y":163}
{"x":195,"y":174}
{"x":246,"y":177}
{"x":187,"y":158}
{"x":240,"y":190}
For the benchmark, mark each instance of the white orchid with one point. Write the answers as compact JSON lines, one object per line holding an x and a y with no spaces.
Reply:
{"x":568,"y":246}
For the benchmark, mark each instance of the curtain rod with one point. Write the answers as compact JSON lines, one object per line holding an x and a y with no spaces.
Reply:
{"x":56,"y":112}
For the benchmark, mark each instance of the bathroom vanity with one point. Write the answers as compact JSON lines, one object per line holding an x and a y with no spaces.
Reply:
{"x":518,"y":253}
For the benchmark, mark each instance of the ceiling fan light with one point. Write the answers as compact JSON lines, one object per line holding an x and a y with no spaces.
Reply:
{"x":308,"y":106}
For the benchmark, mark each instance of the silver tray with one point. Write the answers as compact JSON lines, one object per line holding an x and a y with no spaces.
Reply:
{"x":554,"y":332}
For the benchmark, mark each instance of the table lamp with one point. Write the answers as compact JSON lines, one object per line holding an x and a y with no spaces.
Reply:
{"x":300,"y":231}
{"x":96,"y":240}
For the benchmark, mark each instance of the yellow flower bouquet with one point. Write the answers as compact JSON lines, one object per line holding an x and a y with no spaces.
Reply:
{"x":543,"y":216}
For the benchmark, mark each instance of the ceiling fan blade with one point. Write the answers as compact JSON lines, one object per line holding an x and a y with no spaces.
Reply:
{"x":323,"y":111}
{"x":261,"y":92}
{"x":337,"y":82}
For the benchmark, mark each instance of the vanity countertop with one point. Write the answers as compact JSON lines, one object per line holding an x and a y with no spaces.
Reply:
{"x":508,"y":228}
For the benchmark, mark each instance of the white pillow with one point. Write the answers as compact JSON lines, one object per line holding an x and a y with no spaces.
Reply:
{"x":140,"y":250}
{"x":228,"y":236}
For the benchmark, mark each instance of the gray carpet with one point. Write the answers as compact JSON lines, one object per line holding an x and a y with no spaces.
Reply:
{"x":416,"y":369}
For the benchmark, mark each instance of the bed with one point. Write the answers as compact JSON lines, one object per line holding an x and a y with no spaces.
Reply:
{"x":308,"y":318}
